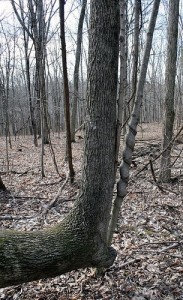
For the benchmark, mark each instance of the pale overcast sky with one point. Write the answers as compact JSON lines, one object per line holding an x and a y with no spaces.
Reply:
{"x":71,"y":14}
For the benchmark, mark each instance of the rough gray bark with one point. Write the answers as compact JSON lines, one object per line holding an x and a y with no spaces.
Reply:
{"x":170,"y":73}
{"x":76,"y":70}
{"x":132,"y":130}
{"x":80,"y":240}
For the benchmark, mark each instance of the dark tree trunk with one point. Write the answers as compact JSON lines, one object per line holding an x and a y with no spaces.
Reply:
{"x":66,"y":90}
{"x":32,"y":113}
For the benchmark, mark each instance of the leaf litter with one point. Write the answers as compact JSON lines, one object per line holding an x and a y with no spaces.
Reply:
{"x":149,"y":233}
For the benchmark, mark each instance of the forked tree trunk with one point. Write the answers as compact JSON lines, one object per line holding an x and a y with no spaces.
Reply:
{"x":170,"y":73}
{"x":132,"y":130}
{"x":80,"y":240}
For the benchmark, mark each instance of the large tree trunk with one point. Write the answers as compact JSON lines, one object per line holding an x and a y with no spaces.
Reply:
{"x":80,"y":240}
{"x":165,"y":169}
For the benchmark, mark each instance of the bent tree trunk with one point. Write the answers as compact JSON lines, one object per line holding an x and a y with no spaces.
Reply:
{"x":80,"y":239}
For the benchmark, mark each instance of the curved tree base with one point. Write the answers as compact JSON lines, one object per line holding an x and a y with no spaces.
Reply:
{"x":73,"y":244}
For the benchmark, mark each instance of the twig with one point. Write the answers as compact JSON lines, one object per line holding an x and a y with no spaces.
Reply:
{"x":175,"y":245}
{"x":52,"y":203}
{"x":14,"y":172}
{"x":153,"y":160}
{"x":154,"y":176}
{"x":161,"y":242}
{"x":51,"y":183}
{"x":27,"y":197}
{"x":80,"y":127}
{"x":130,"y":262}
{"x":10,"y":217}
{"x":165,"y":189}
{"x":152,"y":171}
{"x":176,"y":158}
{"x":53,"y":156}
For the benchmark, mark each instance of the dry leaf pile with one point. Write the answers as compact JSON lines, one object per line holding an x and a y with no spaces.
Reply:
{"x":148,"y":238}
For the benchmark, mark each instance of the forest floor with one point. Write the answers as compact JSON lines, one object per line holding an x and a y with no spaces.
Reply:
{"x":149,"y":236}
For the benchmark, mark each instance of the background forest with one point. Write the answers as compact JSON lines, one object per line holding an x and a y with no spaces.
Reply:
{"x":91,"y":141}
{"x":18,"y":65}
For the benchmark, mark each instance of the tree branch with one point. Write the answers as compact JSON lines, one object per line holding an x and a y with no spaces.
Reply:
{"x":20,"y":20}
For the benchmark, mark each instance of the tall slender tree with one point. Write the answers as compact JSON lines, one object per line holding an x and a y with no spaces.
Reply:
{"x":76,"y":69}
{"x":135,"y":53}
{"x":121,"y":116}
{"x":66,"y":89}
{"x":28,"y":76}
{"x":170,"y":73}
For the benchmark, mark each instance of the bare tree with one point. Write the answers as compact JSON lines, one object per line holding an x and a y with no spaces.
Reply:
{"x":6,"y":117}
{"x":76,"y":70}
{"x":28,"y":79}
{"x":5,"y":89}
{"x":170,"y":73}
{"x":38,"y":32}
{"x":135,"y":52}
{"x":121,"y":116}
{"x":66,"y":89}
